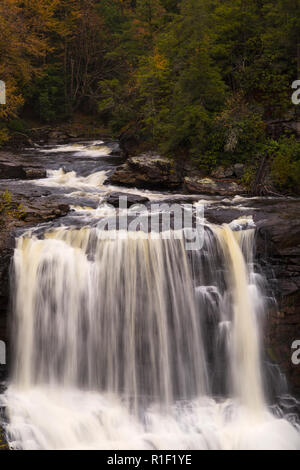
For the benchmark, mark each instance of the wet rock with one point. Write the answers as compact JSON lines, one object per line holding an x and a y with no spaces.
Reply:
{"x":10,"y":171}
{"x":211,"y":186}
{"x":131,"y":199}
{"x":148,"y":170}
{"x":278,"y":251}
{"x":35,"y":173}
{"x":37,"y":213}
{"x":152,"y":171}
{"x":15,"y":171}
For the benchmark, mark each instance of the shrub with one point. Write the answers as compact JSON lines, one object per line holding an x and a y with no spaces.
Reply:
{"x":285,"y":164}
{"x":8,"y":207}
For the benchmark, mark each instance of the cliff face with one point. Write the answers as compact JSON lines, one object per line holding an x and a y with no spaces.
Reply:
{"x":278,"y":249}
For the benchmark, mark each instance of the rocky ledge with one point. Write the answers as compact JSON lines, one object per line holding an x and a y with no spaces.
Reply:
{"x":151,"y":171}
{"x":14,"y":167}
{"x":128,"y":199}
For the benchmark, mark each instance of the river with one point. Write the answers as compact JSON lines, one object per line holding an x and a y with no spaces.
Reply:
{"x":133,"y":341}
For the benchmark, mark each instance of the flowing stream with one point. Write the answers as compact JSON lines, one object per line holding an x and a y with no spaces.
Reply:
{"x":133,"y":341}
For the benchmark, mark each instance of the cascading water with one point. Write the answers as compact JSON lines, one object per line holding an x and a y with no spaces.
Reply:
{"x":115,"y":315}
{"x":133,"y":342}
{"x":246,"y":371}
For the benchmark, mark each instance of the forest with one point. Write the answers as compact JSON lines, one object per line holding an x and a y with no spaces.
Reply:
{"x":204,"y":81}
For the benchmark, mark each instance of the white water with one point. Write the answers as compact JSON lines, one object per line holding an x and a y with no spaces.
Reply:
{"x":60,"y":178}
{"x":113,"y":338}
{"x":96,"y":149}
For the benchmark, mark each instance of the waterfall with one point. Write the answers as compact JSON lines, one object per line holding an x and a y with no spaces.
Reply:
{"x":116,"y":315}
{"x":245,"y":353}
{"x":134,"y":342}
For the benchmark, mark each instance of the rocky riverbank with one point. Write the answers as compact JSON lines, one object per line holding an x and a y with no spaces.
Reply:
{"x":152,"y":171}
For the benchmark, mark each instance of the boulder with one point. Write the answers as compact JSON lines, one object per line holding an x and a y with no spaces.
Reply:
{"x":35,"y":173}
{"x":43,"y":212}
{"x":131,"y":199}
{"x":15,"y":171}
{"x":194,"y":184}
{"x":148,"y":170}
{"x":11,"y":171}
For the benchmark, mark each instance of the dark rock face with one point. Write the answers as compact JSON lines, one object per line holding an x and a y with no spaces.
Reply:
{"x":147,"y":170}
{"x":131,"y":199}
{"x":10,"y":171}
{"x":278,"y":248}
{"x":35,"y":173}
{"x":15,"y":168}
